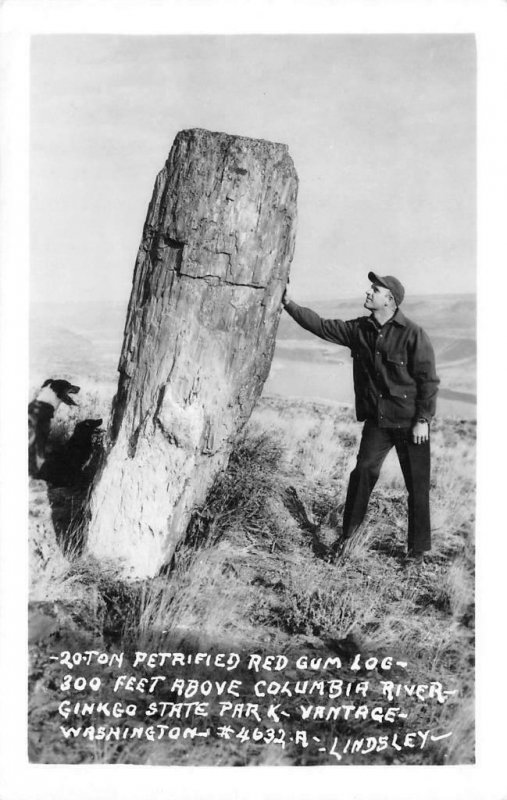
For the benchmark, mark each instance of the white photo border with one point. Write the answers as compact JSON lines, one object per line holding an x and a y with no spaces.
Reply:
{"x":20,"y":20}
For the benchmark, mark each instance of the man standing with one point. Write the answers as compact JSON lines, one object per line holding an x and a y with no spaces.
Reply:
{"x":395,"y":386}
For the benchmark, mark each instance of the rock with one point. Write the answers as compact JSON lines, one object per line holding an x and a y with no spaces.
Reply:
{"x":199,"y":338}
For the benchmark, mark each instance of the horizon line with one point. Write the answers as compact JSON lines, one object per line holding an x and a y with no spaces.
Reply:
{"x":115,"y":301}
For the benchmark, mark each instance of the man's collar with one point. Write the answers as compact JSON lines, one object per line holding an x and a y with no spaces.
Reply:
{"x":399,"y":318}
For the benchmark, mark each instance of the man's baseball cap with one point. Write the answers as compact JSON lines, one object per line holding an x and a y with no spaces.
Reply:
{"x":393,"y":284}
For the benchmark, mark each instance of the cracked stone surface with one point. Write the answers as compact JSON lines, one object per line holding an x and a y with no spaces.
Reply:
{"x":199,"y":338}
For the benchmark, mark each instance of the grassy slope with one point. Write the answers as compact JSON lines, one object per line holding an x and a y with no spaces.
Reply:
{"x":252,"y":578}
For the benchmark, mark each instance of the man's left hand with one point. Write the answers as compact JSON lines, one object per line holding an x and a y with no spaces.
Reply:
{"x":420,"y":432}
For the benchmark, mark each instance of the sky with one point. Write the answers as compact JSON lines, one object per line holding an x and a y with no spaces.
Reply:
{"x":381,"y":129}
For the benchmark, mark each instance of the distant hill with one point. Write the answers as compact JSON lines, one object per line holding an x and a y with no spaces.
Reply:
{"x":449,"y":320}
{"x":438,"y":314}
{"x":80,"y":339}
{"x":83,"y":341}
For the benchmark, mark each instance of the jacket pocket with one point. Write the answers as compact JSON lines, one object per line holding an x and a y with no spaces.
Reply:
{"x":396,"y":360}
{"x":403,"y":392}
{"x":395,"y":365}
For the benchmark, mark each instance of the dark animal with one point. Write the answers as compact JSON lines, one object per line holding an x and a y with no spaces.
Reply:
{"x":74,"y":463}
{"x":40,"y":413}
{"x":80,"y":447}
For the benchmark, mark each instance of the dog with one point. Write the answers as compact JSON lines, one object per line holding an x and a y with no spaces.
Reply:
{"x":83,"y":447}
{"x":40,"y":413}
{"x":75,"y":462}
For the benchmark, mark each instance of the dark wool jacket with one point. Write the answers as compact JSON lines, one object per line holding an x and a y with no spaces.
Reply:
{"x":395,"y":382}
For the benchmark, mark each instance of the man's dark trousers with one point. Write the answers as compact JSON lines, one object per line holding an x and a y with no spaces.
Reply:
{"x":415,"y":465}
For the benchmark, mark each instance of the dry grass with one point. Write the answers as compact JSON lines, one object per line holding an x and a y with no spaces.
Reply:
{"x":248,"y":579}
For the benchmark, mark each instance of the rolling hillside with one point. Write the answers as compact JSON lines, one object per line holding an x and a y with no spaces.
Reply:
{"x":82,"y":341}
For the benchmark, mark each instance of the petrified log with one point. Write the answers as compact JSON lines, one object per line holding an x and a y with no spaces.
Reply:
{"x":199,"y":338}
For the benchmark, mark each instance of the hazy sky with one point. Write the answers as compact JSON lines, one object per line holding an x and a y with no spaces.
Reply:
{"x":381,"y":129}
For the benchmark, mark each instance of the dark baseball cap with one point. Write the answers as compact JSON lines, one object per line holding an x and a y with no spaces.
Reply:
{"x":389,"y":282}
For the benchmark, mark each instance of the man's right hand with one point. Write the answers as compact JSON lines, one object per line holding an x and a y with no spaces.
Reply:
{"x":285,"y":297}
{"x":420,"y":432}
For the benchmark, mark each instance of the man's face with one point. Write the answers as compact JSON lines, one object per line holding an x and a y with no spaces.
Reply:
{"x":377,"y":297}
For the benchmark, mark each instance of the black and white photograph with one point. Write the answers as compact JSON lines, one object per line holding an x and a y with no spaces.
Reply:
{"x":250,"y":503}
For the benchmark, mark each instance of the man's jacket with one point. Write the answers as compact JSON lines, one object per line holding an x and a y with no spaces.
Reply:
{"x":395,"y":382}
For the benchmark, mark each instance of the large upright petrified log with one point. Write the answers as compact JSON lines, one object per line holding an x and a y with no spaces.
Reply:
{"x":199,"y":338}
